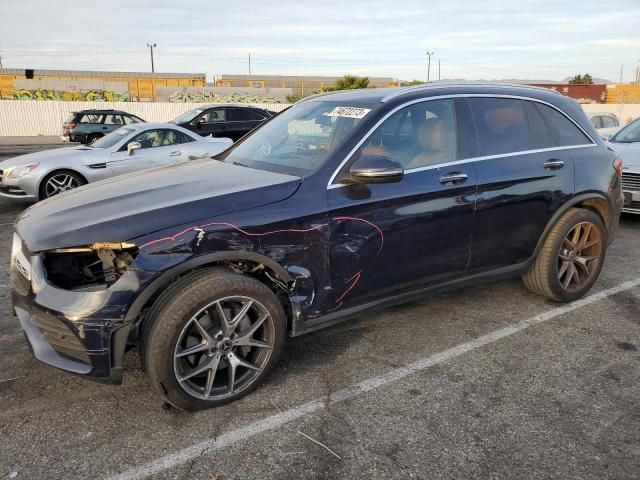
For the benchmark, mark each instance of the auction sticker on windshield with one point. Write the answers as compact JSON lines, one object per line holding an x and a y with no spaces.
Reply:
{"x":348,"y":112}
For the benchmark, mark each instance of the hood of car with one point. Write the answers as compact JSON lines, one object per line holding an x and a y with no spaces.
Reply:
{"x":126,"y":207}
{"x":86,"y":155}
{"x":629,"y":152}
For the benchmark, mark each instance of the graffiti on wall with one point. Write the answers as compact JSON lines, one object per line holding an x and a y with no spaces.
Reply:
{"x":97,"y":95}
{"x":205,"y":96}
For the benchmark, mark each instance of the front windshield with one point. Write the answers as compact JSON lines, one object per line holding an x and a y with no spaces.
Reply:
{"x":298,"y":140}
{"x":629,"y":134}
{"x":187,"y":117}
{"x":112,"y":138}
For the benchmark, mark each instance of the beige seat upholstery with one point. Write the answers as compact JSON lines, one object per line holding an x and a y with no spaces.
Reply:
{"x":434,"y":141}
{"x":159,"y":140}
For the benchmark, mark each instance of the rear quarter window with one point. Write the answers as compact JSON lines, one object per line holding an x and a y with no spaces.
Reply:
{"x":565,"y":131}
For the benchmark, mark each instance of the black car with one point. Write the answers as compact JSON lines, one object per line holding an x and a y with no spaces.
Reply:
{"x":87,"y":126}
{"x":231,"y":121}
{"x":345,"y":202}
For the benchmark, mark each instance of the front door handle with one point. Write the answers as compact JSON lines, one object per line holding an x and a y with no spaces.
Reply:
{"x":175,"y":154}
{"x":553,"y":164}
{"x":454,"y":178}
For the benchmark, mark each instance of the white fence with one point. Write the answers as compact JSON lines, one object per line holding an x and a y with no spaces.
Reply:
{"x":29,"y":118}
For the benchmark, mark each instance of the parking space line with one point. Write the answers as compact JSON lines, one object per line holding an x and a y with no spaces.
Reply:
{"x":279,"y":419}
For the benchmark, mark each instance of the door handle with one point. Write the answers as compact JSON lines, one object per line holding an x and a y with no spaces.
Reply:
{"x":454,"y":178}
{"x":553,"y":164}
{"x":175,"y":154}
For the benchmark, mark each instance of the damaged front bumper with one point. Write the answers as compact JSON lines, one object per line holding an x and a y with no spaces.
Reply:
{"x":80,"y":331}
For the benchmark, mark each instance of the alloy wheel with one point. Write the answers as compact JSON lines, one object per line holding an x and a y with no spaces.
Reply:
{"x":223,"y":348}
{"x":60,"y":183}
{"x":579,"y":256}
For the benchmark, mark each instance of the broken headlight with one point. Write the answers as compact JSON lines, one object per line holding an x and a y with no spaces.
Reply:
{"x":98,"y":265}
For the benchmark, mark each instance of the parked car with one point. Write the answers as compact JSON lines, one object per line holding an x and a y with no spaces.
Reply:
{"x":605,"y":123}
{"x":88,"y":126}
{"x":230,"y":121}
{"x":209,"y":265}
{"x":41,"y":175}
{"x":627,"y":143}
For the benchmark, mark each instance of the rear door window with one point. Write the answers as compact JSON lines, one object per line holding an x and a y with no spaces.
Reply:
{"x":238,"y":115}
{"x":608,"y":122}
{"x":565,"y":131}
{"x":501,"y":125}
{"x":113,"y":120}
{"x":541,"y":136}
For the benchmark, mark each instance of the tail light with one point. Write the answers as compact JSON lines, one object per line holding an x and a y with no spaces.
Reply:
{"x":617,"y":165}
{"x":70,"y":126}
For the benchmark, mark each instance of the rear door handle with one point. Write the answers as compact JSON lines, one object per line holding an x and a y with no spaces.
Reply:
{"x":553,"y":164}
{"x":175,"y":154}
{"x":454,"y":178}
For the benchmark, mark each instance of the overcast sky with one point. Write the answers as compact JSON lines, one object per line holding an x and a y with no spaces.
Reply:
{"x":488,"y":39}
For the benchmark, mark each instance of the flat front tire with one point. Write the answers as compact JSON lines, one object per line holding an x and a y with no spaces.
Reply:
{"x":570,"y":260}
{"x":212,"y":338}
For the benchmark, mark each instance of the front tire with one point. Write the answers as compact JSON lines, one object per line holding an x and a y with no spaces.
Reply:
{"x":571,"y":258}
{"x":212,"y":338}
{"x":58,"y":182}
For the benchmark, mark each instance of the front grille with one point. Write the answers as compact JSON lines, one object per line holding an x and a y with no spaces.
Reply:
{"x":633,"y":206}
{"x":631,"y":181}
{"x":59,"y":336}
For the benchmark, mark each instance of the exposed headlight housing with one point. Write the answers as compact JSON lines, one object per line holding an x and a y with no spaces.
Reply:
{"x":22,"y":170}
{"x":95,"y":266}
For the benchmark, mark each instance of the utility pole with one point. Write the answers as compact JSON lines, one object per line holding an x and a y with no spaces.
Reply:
{"x":621,"y":69}
{"x":429,"y":65}
{"x":151,"y":47}
{"x":249,"y":63}
{"x":438,"y":69}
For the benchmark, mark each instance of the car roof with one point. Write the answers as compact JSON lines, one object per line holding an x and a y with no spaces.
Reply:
{"x":597,"y":114}
{"x":222,"y":105}
{"x":383,"y":95}
{"x":104,"y":110}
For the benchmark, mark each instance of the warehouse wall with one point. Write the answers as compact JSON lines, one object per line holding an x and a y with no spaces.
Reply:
{"x":21,"y":118}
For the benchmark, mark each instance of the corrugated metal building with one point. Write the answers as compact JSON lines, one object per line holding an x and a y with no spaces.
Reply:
{"x":301,"y":85}
{"x":142,"y":85}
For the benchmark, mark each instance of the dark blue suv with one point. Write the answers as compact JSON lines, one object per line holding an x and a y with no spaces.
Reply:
{"x":345,"y":202}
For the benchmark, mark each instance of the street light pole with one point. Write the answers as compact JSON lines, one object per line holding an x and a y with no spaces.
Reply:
{"x":429,"y":65}
{"x":151,"y":47}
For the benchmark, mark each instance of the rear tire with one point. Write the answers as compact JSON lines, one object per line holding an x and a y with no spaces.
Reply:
{"x":570,"y":260}
{"x":212,"y":338}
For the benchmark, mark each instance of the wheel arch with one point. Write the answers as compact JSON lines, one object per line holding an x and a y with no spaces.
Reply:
{"x":283,"y":280}
{"x":59,"y":170}
{"x":596,"y":202}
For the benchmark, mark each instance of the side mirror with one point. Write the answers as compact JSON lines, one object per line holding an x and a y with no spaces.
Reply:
{"x":606,"y":136}
{"x":376,"y":169}
{"x":133,"y":146}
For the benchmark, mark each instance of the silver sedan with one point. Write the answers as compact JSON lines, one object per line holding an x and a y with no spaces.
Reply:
{"x":135,"y":147}
{"x":627,"y":144}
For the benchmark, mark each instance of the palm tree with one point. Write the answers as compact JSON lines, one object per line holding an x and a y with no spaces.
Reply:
{"x":349,"y":82}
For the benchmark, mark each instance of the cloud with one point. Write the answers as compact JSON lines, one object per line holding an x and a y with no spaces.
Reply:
{"x":490,"y":39}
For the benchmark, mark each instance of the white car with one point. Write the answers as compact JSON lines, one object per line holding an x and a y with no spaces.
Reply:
{"x":41,"y":175}
{"x":627,"y":144}
{"x":605,"y":123}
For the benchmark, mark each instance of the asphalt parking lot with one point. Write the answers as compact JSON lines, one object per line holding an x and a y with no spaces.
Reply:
{"x":484,"y":382}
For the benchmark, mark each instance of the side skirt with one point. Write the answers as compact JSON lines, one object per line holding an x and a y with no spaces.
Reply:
{"x":301,"y":327}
